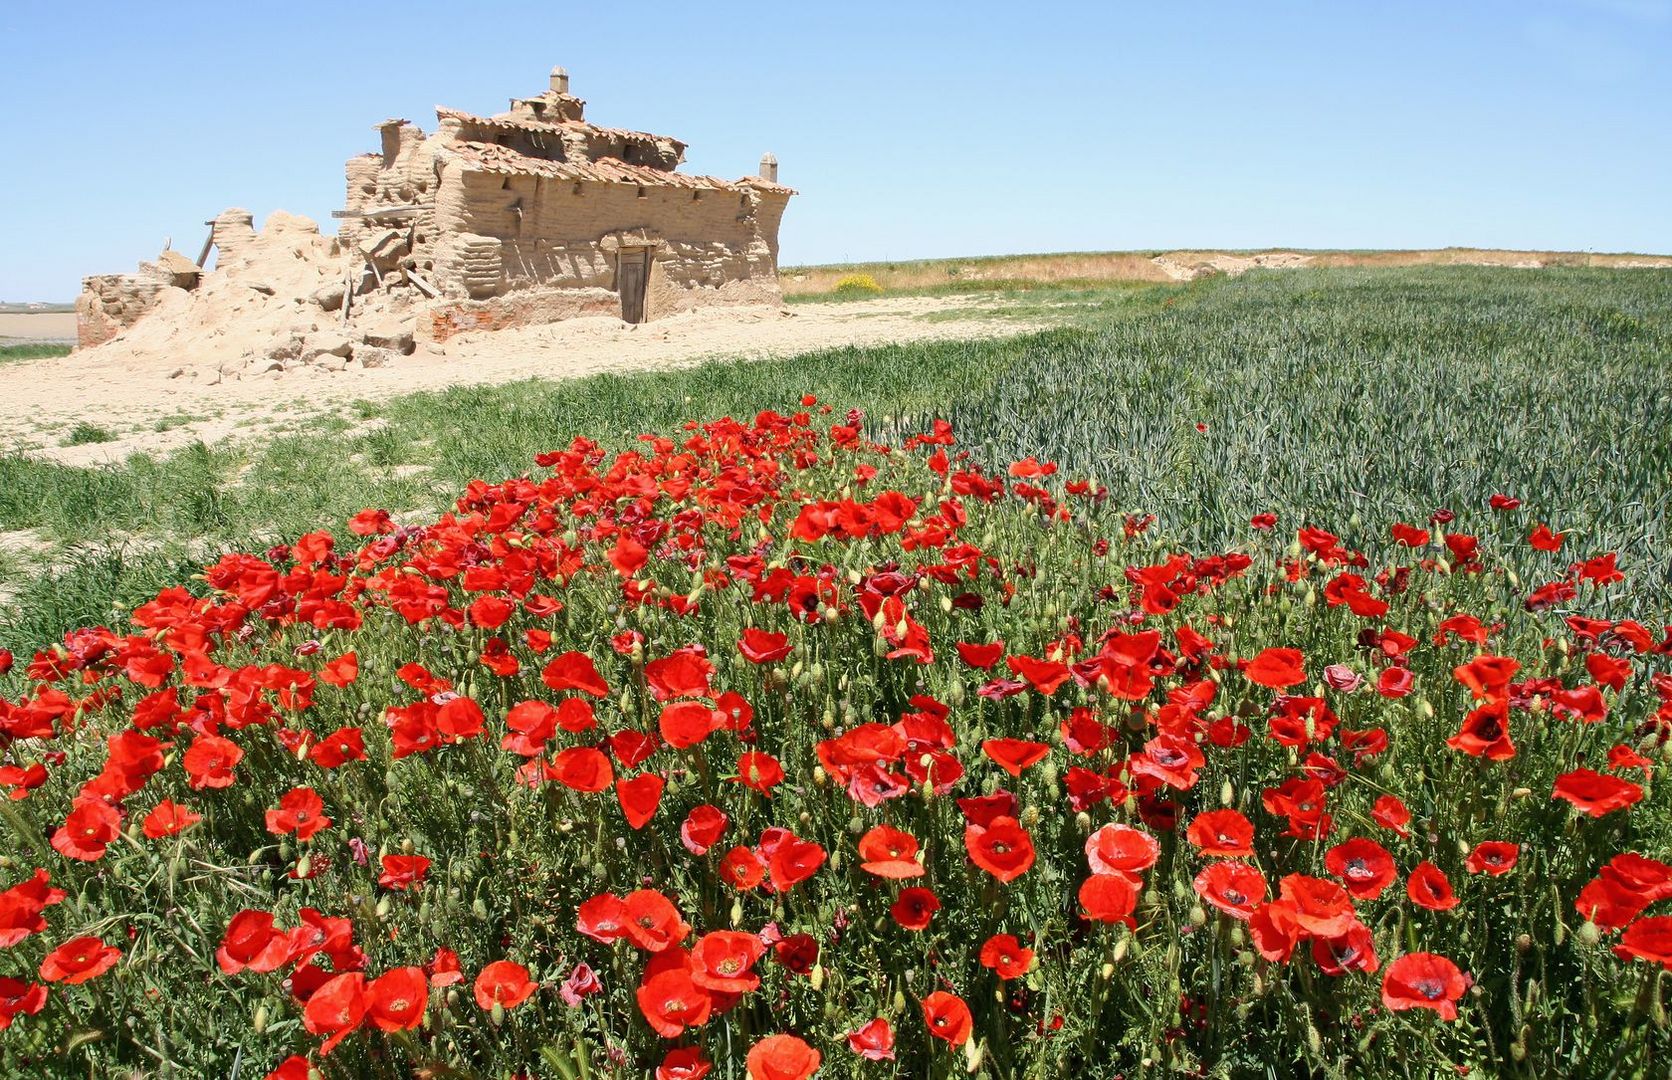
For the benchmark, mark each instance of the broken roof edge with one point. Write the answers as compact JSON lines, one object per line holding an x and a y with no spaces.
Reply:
{"x":443,"y":112}
{"x":493,"y":158}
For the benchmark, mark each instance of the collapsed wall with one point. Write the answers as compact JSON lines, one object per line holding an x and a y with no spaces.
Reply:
{"x":527,"y":216}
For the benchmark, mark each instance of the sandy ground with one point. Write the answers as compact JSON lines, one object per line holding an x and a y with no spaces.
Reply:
{"x":51,"y":326}
{"x":41,"y":400}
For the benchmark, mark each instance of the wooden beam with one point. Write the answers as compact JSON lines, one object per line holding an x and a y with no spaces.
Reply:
{"x":392,"y":213}
{"x":421,"y":285}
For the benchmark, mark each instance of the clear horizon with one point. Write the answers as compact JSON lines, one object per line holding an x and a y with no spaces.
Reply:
{"x":913,"y":132}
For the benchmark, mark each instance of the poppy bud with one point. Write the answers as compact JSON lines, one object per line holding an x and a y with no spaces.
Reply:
{"x":497,"y":1014}
{"x":1198,"y":917}
{"x":816,"y":978}
{"x":946,"y":605}
{"x":1121,"y":947}
{"x":383,"y":908}
{"x":1108,"y":972}
{"x":973,"y":1052}
{"x":820,"y":777}
{"x":1239,"y":937}
{"x":1030,"y":817}
{"x":1589,"y":933}
{"x":1082,"y":821}
{"x":478,"y":908}
{"x":737,"y":912}
{"x":304,"y":866}
{"x":899,"y":1002}
{"x":260,"y":1021}
{"x":1314,"y":1041}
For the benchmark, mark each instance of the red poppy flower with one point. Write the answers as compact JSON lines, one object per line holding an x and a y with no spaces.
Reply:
{"x":1109,"y":898}
{"x":301,"y":811}
{"x":702,"y":828}
{"x":396,"y":999}
{"x":947,"y":1017}
{"x":18,"y":998}
{"x":1543,"y":538}
{"x":209,"y":762}
{"x":1594,"y":793}
{"x":742,"y":868}
{"x":759,"y":771}
{"x":21,"y":907}
{"x":1493,"y":857}
{"x":1014,"y":755}
{"x":684,"y":1063}
{"x":460,"y":719}
{"x":1003,"y":849}
{"x":338,"y":748}
{"x":1487,"y":676}
{"x":1235,"y":888}
{"x":669,"y":998}
{"x":582,"y":768}
{"x":1391,"y":813}
{"x":444,"y":968}
{"x":639,"y":798}
{"x":1485,"y":732}
{"x":1353,"y":951}
{"x":889,"y":853}
{"x":980,"y":656}
{"x":1006,"y":956}
{"x":336,"y":1009}
{"x":873,"y":1041}
{"x":253,"y":942}
{"x":1321,"y":907}
{"x":686,"y":723}
{"x":1275,"y":931}
{"x":403,"y":871}
{"x":724,"y":961}
{"x":79,"y":960}
{"x":1648,"y":939}
{"x":1276,"y":668}
{"x":915,"y":907}
{"x":1221,"y":832}
{"x":602,"y":918}
{"x":1121,"y":849}
{"x":763,"y":646}
{"x":1365,"y":866}
{"x":1428,"y":887}
{"x":504,"y":983}
{"x":652,"y":922}
{"x":1044,"y":676}
{"x":1423,"y":981}
{"x":798,"y":953}
{"x":575,"y":671}
{"x":782,"y":1057}
{"x":87,"y":831}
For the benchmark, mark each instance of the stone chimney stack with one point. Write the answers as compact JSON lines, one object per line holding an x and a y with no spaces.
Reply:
{"x":769,"y":168}
{"x":560,"y":80}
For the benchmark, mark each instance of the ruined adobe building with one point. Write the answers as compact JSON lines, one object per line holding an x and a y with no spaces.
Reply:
{"x":528,"y":216}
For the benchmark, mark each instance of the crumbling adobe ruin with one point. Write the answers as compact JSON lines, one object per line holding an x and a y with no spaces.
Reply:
{"x":528,"y":216}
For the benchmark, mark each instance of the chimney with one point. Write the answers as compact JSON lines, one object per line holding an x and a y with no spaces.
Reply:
{"x":560,"y":81}
{"x":769,"y":167}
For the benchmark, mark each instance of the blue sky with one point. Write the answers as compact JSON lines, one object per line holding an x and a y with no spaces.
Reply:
{"x":912,"y":129}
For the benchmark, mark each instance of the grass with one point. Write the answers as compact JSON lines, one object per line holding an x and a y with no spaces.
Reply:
{"x":1085,"y":268}
{"x":32,"y":351}
{"x":1325,"y":393}
{"x":84,"y":434}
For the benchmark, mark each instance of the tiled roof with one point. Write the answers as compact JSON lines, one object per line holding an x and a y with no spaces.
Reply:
{"x":506,"y":123}
{"x":489,"y":157}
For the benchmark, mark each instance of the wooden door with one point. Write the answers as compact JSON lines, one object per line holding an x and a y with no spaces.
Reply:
{"x":631,"y":274}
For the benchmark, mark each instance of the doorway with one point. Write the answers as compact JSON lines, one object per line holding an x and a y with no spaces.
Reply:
{"x":631,"y":275}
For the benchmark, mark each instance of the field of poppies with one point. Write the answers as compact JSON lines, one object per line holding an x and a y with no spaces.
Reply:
{"x":814,"y":743}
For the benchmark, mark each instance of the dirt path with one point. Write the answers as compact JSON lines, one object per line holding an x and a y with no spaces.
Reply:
{"x":144,"y":407}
